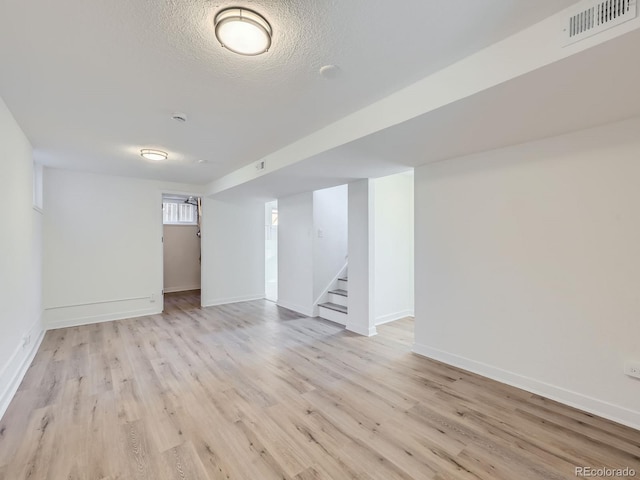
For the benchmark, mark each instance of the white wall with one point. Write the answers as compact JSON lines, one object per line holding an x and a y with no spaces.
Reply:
{"x":103,"y":248}
{"x":330,"y":236}
{"x":361,"y":318}
{"x":20,"y":259}
{"x":295,"y":253}
{"x":232,"y":252}
{"x":393,"y":247}
{"x":528,"y":266}
{"x":181,"y":265}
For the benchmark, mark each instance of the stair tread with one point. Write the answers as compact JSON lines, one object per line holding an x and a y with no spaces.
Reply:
{"x":334,"y":306}
{"x":339,"y":291}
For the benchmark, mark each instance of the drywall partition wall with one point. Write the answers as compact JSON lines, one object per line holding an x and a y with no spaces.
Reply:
{"x":20,"y":271}
{"x":330,"y":236}
{"x":103,"y":247}
{"x":181,"y":267}
{"x":393,"y":247}
{"x":527,"y":266}
{"x":361,"y":317}
{"x":295,"y":253}
{"x":232,"y":252}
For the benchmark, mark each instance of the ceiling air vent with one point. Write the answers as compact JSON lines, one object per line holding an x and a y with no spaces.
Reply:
{"x":591,"y":17}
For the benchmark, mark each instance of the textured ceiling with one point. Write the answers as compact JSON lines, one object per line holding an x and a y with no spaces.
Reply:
{"x":93,"y":82}
{"x":560,"y":99}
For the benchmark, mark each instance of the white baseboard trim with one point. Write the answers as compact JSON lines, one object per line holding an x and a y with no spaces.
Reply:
{"x":392,"y":317}
{"x":106,"y":317}
{"x":223,"y":301}
{"x":362,"y":330}
{"x":306,"y":311}
{"x":616,"y":413}
{"x":15,"y":370}
{"x":181,"y":289}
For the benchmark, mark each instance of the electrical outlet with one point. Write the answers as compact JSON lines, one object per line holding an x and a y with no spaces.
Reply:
{"x":152,"y":299}
{"x":632,"y":369}
{"x":26,"y":340}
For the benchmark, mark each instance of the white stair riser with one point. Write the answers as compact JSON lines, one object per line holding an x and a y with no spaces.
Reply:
{"x":338,"y":299}
{"x":342,"y":284}
{"x":334,"y":316}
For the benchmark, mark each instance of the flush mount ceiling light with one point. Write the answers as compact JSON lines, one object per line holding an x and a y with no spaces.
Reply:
{"x":155,"y":155}
{"x":243,"y":31}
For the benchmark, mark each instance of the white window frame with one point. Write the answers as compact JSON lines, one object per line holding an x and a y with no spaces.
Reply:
{"x":183,"y":213}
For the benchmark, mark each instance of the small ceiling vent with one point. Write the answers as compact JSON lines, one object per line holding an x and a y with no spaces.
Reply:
{"x":591,"y":17}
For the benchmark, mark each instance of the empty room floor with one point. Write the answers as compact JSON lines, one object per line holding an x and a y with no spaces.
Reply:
{"x":253,"y":391}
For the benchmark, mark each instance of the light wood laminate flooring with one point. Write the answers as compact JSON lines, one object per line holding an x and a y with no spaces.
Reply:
{"x":251,"y":391}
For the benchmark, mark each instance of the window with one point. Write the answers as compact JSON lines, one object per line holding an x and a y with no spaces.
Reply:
{"x":274,"y":216}
{"x":175,"y":213}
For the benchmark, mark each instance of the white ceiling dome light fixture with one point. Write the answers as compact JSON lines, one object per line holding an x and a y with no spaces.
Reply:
{"x":243,"y":31}
{"x":154,"y":155}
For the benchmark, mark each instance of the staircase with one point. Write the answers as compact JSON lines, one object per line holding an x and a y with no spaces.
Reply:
{"x":335,"y":308}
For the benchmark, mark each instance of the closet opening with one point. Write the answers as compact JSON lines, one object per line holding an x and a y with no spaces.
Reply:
{"x":182,"y":253}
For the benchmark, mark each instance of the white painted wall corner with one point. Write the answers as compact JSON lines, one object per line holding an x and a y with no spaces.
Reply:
{"x":360,"y":330}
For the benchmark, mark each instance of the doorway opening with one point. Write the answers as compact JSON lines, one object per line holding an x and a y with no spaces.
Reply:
{"x":182,"y":252}
{"x":271,"y":251}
